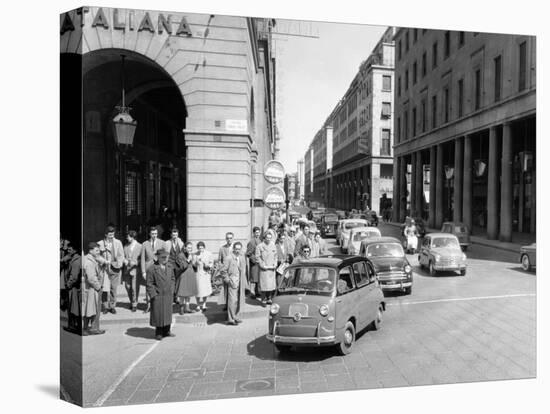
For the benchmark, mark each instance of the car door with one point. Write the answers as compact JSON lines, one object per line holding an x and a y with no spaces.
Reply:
{"x":345,"y":297}
{"x":424,"y":251}
{"x":364,"y":299}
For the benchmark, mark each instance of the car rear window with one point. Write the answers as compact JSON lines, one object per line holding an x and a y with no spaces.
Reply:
{"x":361,"y":235}
{"x":354,"y":224}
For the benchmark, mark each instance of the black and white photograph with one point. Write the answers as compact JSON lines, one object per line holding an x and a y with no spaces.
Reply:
{"x":259,"y":207}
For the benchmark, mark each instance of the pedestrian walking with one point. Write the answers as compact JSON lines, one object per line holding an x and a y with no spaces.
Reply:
{"x":303,"y":239}
{"x":160,"y":287}
{"x":132,"y":259}
{"x":112,"y":251}
{"x":266,"y":256}
{"x":203,"y":278}
{"x":254,"y":269}
{"x":73,"y":284}
{"x":91,"y":290}
{"x":149,"y":250}
{"x":318,"y":245}
{"x":224,"y":252}
{"x":186,"y":285}
{"x":234,"y":275}
{"x":175,"y":260}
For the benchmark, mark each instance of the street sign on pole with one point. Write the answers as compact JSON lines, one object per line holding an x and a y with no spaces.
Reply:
{"x":274,"y":172}
{"x":274,"y":197}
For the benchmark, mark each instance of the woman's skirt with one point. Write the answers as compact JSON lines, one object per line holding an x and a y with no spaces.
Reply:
{"x":204,"y":284}
{"x":186,"y":284}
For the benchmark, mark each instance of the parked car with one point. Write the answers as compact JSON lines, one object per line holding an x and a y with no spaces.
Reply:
{"x":528,"y":257}
{"x":344,"y":229}
{"x":329,"y":224}
{"x":441,"y":252}
{"x":357,"y":235}
{"x":324,"y":302}
{"x":460,"y":230}
{"x":393,"y":270}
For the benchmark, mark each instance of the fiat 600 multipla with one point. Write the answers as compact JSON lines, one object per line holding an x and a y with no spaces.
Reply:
{"x":325,"y":301}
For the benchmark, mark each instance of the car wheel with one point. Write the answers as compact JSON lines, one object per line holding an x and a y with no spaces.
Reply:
{"x":282,"y":348}
{"x":408,"y":290}
{"x":525,"y":263}
{"x":433,"y":272}
{"x":463,"y":272}
{"x":377,"y":322}
{"x":348,"y":340}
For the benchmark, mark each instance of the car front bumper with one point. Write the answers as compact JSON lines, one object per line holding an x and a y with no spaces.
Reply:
{"x":298,"y":340}
{"x":395,"y":285}
{"x":449,"y":268}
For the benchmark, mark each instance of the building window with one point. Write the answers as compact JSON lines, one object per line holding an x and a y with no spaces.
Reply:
{"x":406,"y":125}
{"x":386,"y":109}
{"x":424,"y":115}
{"x":434,"y":111}
{"x":399,"y":86}
{"x":399,"y":50}
{"x":407,"y":41}
{"x":415,"y":35}
{"x":398,"y":132}
{"x":386,"y":83}
{"x":460,"y":98}
{"x":414,"y":122}
{"x":385,"y":148}
{"x":407,"y":79}
{"x":434,"y":55}
{"x":424,"y":63}
{"x":447,"y":47}
{"x":498,"y":77}
{"x":461,"y":37}
{"x":447,"y":103}
{"x":477,"y":89}
{"x":522,"y":66}
{"x":415,"y":70}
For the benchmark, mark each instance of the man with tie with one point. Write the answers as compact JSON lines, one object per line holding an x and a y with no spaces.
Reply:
{"x":149,"y":250}
{"x":112,"y":251}
{"x":132,"y":252}
{"x":234,"y":276}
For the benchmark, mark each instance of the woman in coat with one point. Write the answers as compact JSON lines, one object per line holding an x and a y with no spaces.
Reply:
{"x":205,"y":262}
{"x":92,"y":274}
{"x":186,"y":285}
{"x":266,"y":255}
{"x":160,"y":288}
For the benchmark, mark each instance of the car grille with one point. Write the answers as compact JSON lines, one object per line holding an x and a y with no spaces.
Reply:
{"x":448,"y":261}
{"x":382,"y":276}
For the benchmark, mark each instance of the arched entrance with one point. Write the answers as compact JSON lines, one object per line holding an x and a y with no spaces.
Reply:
{"x":146,"y":184}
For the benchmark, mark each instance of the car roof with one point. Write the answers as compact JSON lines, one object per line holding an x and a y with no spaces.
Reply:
{"x":368,"y":228}
{"x":384,"y":239}
{"x":440,"y":235}
{"x":333,"y":260}
{"x":354,"y":219}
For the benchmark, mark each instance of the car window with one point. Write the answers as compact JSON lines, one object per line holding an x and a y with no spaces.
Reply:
{"x":353,"y":224}
{"x":440,"y":242}
{"x":345,"y":282}
{"x":426,"y":242}
{"x":360,"y":274}
{"x":370,"y":272}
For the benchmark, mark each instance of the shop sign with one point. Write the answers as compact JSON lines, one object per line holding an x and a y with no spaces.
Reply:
{"x":274,"y":198}
{"x":274,"y":172}
{"x":236,"y":125}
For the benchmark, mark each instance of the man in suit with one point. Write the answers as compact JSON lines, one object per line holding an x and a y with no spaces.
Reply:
{"x":149,"y":250}
{"x":91,"y":290}
{"x":234,"y":276}
{"x":112,"y":251}
{"x":132,"y":252}
{"x":254,"y":269}
{"x":223,"y":254}
{"x":160,"y":287}
{"x":303,"y":239}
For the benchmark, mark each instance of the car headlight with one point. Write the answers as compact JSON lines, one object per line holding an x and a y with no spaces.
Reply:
{"x":437,"y":257}
{"x":274,"y":309}
{"x":408,"y":269}
{"x":323,"y":310}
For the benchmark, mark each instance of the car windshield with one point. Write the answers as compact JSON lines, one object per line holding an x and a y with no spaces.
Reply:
{"x":445,"y":242}
{"x":308,"y":280}
{"x":354,"y":224}
{"x":385,"y":250}
{"x":364,"y":234}
{"x":331,"y":218}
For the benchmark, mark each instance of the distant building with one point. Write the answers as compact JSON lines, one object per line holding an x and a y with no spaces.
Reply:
{"x":300,"y":180}
{"x":292,"y":187}
{"x":465,"y":126}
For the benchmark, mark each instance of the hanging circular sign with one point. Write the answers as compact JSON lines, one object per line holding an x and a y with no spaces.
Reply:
{"x":274,"y":197}
{"x":274,"y":172}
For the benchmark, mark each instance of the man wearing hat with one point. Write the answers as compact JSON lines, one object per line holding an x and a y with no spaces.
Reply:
{"x":160,"y":289}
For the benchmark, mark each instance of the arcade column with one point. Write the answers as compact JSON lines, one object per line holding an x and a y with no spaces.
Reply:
{"x":439,"y":187}
{"x":458,"y":177}
{"x":467,"y":182}
{"x":506,"y":190}
{"x":492,"y":185}
{"x":431,"y":218}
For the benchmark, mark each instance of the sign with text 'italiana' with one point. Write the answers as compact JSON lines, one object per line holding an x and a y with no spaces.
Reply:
{"x":274,"y":197}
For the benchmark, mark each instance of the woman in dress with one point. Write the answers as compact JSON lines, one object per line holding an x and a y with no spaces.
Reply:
{"x":186,"y":285}
{"x":204,"y":282}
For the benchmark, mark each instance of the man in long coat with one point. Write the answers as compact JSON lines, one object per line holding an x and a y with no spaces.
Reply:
{"x":73,"y":283}
{"x":223,"y":254}
{"x":149,"y":250}
{"x":112,"y":251}
{"x":160,"y":288}
{"x":132,"y":252}
{"x":254,"y":269}
{"x":266,"y":256}
{"x":91,"y":290}
{"x":234,"y":275}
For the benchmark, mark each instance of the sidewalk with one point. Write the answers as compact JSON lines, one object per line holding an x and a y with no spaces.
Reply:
{"x":513,"y":247}
{"x":213,"y":314}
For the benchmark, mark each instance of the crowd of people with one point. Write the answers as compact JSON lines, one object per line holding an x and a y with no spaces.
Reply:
{"x":172,"y":272}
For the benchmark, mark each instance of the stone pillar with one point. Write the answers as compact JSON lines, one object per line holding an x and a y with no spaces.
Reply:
{"x":396,"y":199}
{"x":506,"y":189}
{"x":403,"y":189}
{"x":431,"y":218}
{"x":374,"y":201}
{"x":439,"y":187}
{"x":492,"y":185}
{"x":413,"y":184}
{"x":458,"y":177}
{"x":419,"y":178}
{"x":467,"y":183}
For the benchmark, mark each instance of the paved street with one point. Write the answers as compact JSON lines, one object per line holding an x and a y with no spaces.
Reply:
{"x":450,"y":329}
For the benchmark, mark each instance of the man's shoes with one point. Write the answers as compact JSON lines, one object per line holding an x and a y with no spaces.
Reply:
{"x":158,"y":337}
{"x":170,"y":334}
{"x":113,"y":311}
{"x":134,"y":308}
{"x":239,"y":320}
{"x":181,"y":310}
{"x":96,"y":331}
{"x":234,"y":323}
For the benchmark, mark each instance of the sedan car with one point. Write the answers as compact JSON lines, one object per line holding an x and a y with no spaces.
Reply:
{"x":393,"y":270}
{"x":460,"y":230}
{"x":528,"y":257}
{"x":324,"y":302}
{"x":329,"y":224}
{"x":441,"y":252}
{"x":345,"y":228}
{"x":358,"y":234}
